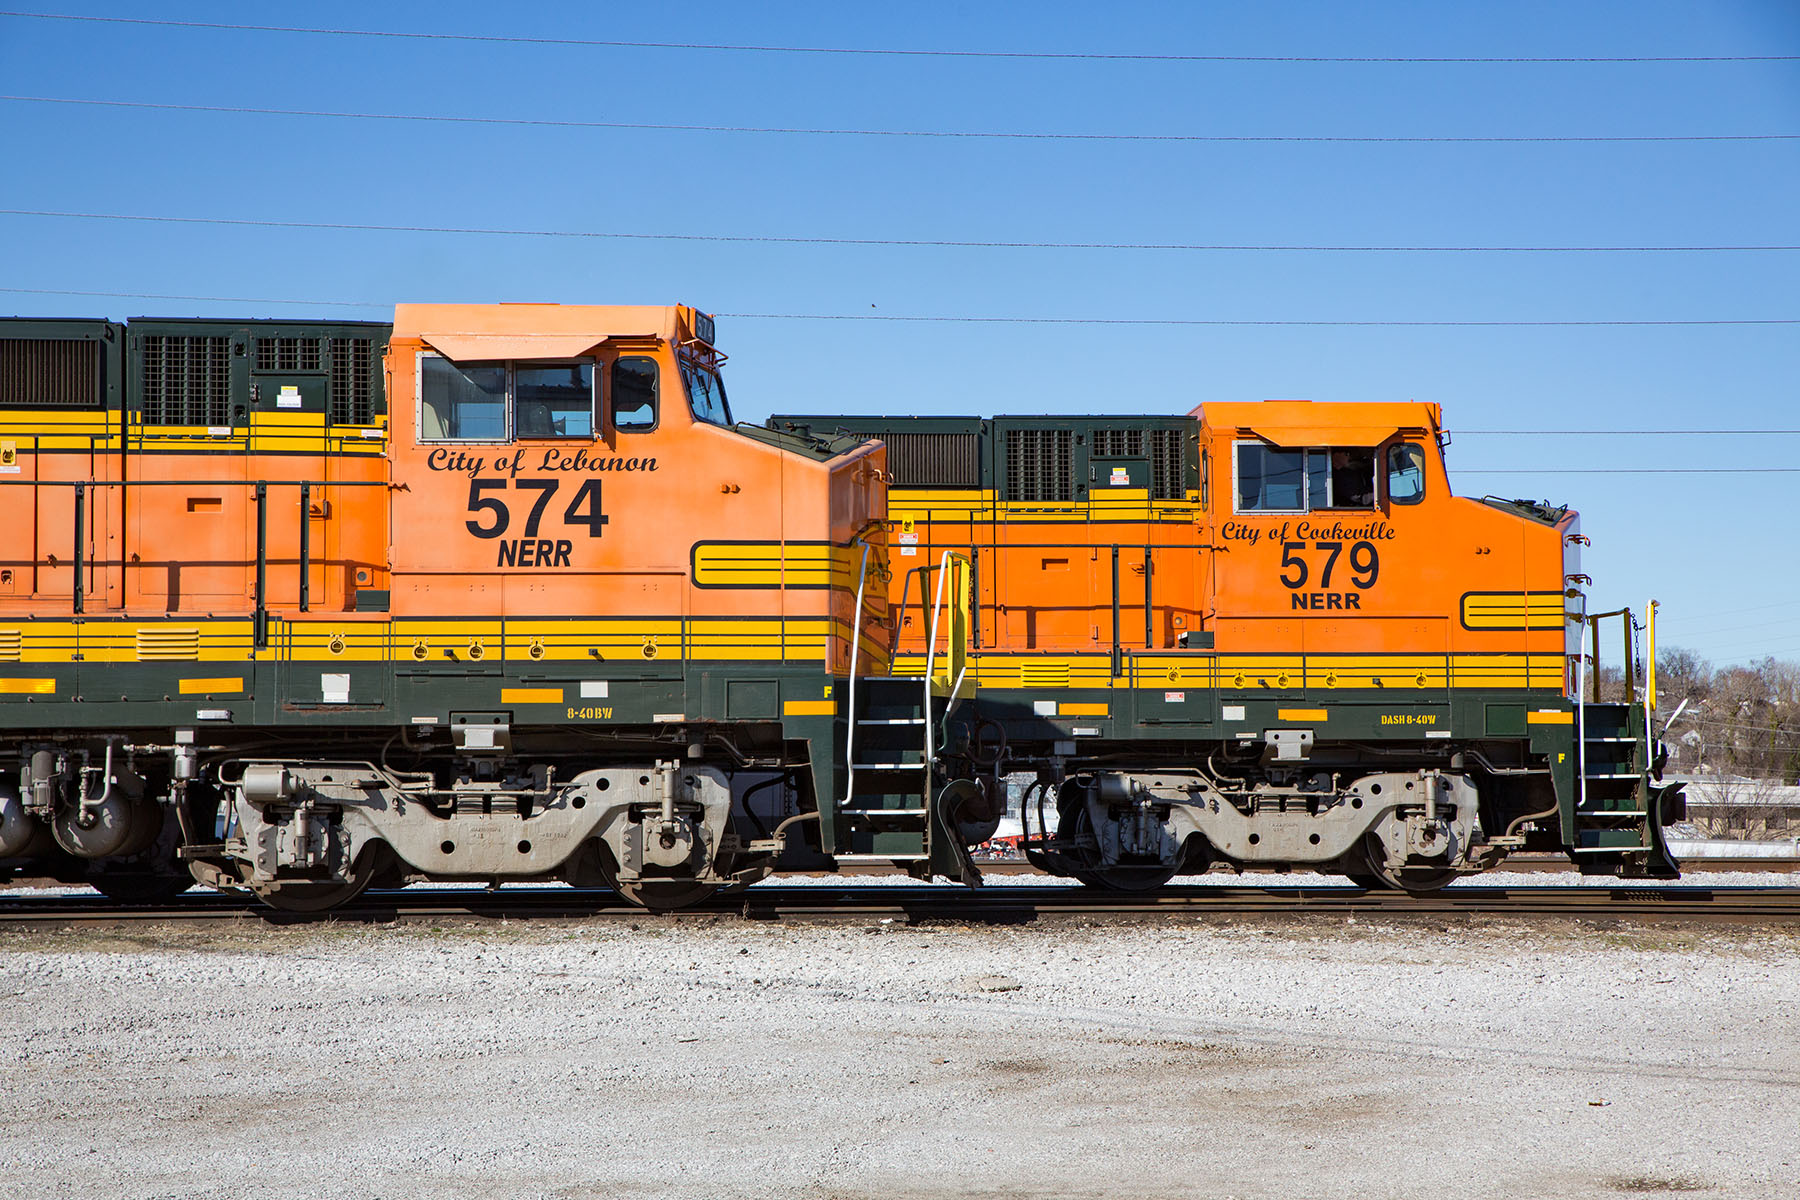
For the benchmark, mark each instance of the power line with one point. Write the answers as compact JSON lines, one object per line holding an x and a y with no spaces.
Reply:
{"x":978,"y":134}
{"x":790,"y":240}
{"x":891,"y":52}
{"x":945,"y":319}
{"x":196,"y":299}
{"x":1624,"y":432}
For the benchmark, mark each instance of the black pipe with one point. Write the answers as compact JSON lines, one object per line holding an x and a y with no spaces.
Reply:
{"x":261,"y":619}
{"x":80,"y":593}
{"x":305,"y":546}
{"x":1115,"y":639}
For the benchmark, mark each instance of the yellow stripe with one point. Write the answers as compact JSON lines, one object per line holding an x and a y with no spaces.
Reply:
{"x":191,"y":687}
{"x":809,"y":708}
{"x":1300,"y":714}
{"x":1550,"y":718}
{"x":28,"y":687}
{"x":531,"y":696}
{"x":1081,"y":710}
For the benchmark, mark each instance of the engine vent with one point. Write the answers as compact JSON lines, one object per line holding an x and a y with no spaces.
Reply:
{"x":933,"y":459}
{"x":1164,"y":452}
{"x":12,"y":645}
{"x":352,"y":381}
{"x":1040,"y":465}
{"x":187,"y":380}
{"x":50,"y":373}
{"x":1166,"y":476}
{"x":1044,"y":674}
{"x":1118,"y":443}
{"x":163,"y":644}
{"x":287,"y":353}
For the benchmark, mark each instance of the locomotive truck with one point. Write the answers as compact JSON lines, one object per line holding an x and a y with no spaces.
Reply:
{"x":502,"y":592}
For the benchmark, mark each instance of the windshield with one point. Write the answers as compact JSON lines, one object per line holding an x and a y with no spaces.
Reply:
{"x":706,"y":393}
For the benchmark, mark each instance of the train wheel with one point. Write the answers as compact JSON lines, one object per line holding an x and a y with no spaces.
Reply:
{"x":294,"y":897}
{"x":1145,"y":878}
{"x":1417,"y":880}
{"x":1368,"y":883}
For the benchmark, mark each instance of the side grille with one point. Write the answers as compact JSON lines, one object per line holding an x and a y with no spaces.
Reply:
{"x":161,"y":644}
{"x":1166,"y":476}
{"x":1044,"y":674}
{"x":187,"y":380}
{"x":1040,"y":465}
{"x":287,"y":353}
{"x":1164,"y":452}
{"x":1118,"y":443}
{"x":352,"y":381}
{"x":50,"y":373}
{"x":12,"y":645}
{"x":940,"y":459}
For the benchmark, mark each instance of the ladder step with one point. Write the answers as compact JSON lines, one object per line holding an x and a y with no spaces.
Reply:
{"x":884,"y":812}
{"x":1611,"y":812}
{"x":890,"y":766}
{"x":891,"y":721}
{"x":1613,"y":739}
{"x":1613,"y":775}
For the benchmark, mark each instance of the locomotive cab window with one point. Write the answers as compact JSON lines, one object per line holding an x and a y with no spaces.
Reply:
{"x":634,"y":394}
{"x":1340,"y":478}
{"x":1270,"y":479}
{"x":497,"y":401}
{"x":1275,"y":479}
{"x":706,"y":393}
{"x":461,"y":402}
{"x":1405,"y":473}
{"x":554,"y":400}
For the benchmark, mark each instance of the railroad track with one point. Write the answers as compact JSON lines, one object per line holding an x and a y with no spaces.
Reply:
{"x":916,"y":904}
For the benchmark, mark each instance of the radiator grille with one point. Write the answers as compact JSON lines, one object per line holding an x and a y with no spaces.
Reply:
{"x":933,"y":459}
{"x":1164,"y":452}
{"x":287,"y":353}
{"x":1166,"y":476}
{"x":1119,"y":443}
{"x":162,"y":644}
{"x":187,"y":380}
{"x":352,"y":381}
{"x":1040,"y":464}
{"x":12,"y":645}
{"x":50,"y":373}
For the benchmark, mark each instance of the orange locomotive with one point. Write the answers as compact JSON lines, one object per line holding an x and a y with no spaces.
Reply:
{"x":504,"y":592}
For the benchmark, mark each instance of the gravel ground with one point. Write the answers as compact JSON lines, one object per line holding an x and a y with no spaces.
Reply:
{"x":714,"y":1057}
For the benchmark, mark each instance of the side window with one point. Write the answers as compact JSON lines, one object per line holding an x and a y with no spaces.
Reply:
{"x":1346,"y":478}
{"x":706,"y":394}
{"x":1270,"y":479}
{"x":461,"y":402}
{"x":554,"y":400}
{"x":1406,"y":473}
{"x":634,"y":394}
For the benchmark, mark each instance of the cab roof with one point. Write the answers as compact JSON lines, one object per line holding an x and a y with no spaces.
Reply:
{"x":1296,"y":423}
{"x":485,"y":332}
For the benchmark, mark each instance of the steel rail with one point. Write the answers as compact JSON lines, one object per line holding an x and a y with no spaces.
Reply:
{"x":913,"y":904}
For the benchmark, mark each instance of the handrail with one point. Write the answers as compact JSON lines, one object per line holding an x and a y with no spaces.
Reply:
{"x":850,"y":704}
{"x":1581,"y":716}
{"x":955,"y":651}
{"x":937,"y":605}
{"x":1649,"y":686}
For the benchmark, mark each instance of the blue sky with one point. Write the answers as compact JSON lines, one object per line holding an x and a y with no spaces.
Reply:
{"x":1716,"y":548}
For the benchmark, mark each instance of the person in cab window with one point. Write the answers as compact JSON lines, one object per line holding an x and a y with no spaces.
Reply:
{"x":1352,"y":479}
